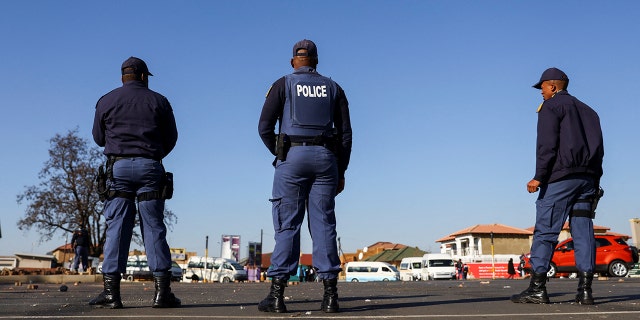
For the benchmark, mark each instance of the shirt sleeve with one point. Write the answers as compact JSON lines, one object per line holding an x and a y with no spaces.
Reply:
{"x":98,"y":127}
{"x":170,"y":130}
{"x":547,"y":141}
{"x":342,"y":121}
{"x":271,"y":112}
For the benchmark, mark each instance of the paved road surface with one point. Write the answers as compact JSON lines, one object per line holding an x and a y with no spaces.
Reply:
{"x":474,"y":299}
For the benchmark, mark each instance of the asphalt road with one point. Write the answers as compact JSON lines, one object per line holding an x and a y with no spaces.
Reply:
{"x":473,"y":299}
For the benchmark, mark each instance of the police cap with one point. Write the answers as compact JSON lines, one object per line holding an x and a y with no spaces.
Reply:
{"x":135,"y":65}
{"x":312,"y":50}
{"x":551,"y":74}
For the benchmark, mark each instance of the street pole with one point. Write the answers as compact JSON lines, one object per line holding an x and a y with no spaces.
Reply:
{"x":206,"y":258}
{"x":64,"y":252}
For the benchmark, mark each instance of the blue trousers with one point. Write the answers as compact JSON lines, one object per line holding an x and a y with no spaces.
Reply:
{"x":308,"y":178}
{"x":553,"y":207}
{"x":82,"y":253}
{"x":135,"y":175}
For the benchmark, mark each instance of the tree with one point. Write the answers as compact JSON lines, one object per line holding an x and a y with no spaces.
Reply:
{"x":66,"y":197}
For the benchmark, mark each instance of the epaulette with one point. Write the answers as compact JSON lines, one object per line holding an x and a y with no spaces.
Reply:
{"x":539,"y":107}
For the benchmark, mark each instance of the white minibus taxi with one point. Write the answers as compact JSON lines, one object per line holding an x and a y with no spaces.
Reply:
{"x":362,"y":271}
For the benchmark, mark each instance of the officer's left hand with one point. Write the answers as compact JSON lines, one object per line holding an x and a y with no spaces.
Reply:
{"x":340,"y":186}
{"x":533,"y":186}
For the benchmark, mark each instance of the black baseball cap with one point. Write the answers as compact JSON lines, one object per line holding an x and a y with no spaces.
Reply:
{"x":551,"y":74}
{"x":138,"y":66}
{"x":312,"y":50}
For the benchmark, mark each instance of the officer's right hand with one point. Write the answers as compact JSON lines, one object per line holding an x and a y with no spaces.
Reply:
{"x":340,"y":186}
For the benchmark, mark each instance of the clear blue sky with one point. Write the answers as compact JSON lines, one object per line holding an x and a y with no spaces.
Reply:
{"x":440,"y":92}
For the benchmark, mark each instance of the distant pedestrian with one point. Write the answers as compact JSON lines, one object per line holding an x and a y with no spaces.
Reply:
{"x":511,"y":270}
{"x":521,"y":266}
{"x":569,"y":153}
{"x":458,"y":266}
{"x":311,"y":276}
{"x":80,"y":242}
{"x":465,"y":271}
{"x":303,"y":273}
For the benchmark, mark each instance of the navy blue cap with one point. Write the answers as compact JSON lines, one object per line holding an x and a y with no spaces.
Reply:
{"x":551,"y":74}
{"x":137,"y":65}
{"x":312,"y":50}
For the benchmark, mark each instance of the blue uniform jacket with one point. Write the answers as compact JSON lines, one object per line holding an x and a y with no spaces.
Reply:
{"x":273,"y":109}
{"x":133,"y":120}
{"x":569,"y":139}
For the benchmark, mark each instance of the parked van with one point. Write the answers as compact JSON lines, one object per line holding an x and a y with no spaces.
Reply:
{"x":215,"y":270}
{"x":411,"y":269}
{"x":362,"y":271}
{"x":438,"y":266}
{"x":138,"y":269}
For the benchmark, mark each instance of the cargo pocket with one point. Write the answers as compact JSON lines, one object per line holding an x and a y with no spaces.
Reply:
{"x":283,"y":214}
{"x":550,"y":217}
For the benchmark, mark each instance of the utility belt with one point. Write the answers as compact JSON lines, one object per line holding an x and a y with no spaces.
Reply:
{"x":105,"y":172}
{"x":285,"y":142}
{"x":593,"y":201}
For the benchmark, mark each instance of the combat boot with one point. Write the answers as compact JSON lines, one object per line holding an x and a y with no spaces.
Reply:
{"x":164,"y":298}
{"x":110,"y":296}
{"x":330,"y":298}
{"x":584,"y":295}
{"x":274,"y":302}
{"x":536,"y":293}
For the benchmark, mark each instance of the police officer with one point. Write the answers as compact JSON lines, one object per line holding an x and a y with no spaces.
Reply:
{"x":137,"y":129}
{"x":312,"y":153}
{"x":80,"y":242}
{"x":568,"y":169}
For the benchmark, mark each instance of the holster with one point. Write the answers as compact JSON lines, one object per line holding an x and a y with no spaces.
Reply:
{"x":167,"y":186}
{"x":101,"y":184}
{"x":593,"y":201}
{"x":282,"y":146}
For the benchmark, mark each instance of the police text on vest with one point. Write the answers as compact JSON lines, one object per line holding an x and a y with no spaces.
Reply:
{"x":312,"y":91}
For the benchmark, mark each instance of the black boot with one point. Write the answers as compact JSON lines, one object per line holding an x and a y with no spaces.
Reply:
{"x":584,"y":295}
{"x":164,"y":298}
{"x":274,"y":302}
{"x":330,"y":298}
{"x":537,"y":291}
{"x":110,"y":297}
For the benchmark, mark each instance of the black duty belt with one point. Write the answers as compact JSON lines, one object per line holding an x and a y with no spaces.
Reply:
{"x":309,"y":143}
{"x":116,"y":158}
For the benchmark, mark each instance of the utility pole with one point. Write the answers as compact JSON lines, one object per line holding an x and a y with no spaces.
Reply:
{"x":206,"y":258}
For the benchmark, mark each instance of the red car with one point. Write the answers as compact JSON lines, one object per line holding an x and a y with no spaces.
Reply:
{"x":614,"y":257}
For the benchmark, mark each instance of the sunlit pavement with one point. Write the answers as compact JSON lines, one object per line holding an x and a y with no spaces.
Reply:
{"x":472,"y":299}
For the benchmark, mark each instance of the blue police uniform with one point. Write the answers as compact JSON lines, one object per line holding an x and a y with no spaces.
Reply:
{"x":569,"y":166}
{"x":569,"y":157}
{"x":313,"y":111}
{"x":137,"y":128}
